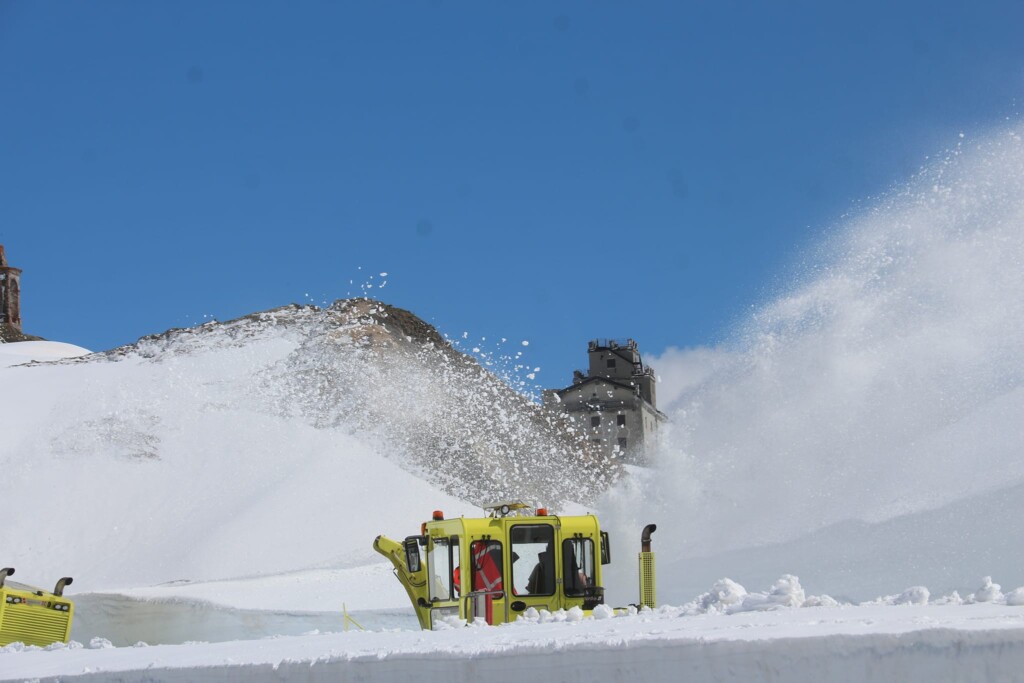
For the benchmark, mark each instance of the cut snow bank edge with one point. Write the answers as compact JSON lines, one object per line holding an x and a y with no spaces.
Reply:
{"x":877,"y":643}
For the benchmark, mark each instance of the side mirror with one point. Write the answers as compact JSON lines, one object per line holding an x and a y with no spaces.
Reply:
{"x":606,"y":548}
{"x":412,"y":554}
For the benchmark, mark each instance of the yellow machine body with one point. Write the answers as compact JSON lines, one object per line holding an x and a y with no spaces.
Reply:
{"x":33,"y":616}
{"x":497,"y":567}
{"x":648,"y":586}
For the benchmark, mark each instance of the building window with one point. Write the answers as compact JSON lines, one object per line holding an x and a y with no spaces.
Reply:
{"x":611,"y":362}
{"x":620,"y":420}
{"x":595,"y":421}
{"x":622,"y":444}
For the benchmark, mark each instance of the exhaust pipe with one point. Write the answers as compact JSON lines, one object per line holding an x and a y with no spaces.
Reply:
{"x":59,"y":590}
{"x":4,"y":573}
{"x":647,"y":583}
{"x":645,"y":537}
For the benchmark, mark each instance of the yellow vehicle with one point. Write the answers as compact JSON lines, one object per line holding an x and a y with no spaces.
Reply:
{"x":33,"y":616}
{"x":496,"y":567}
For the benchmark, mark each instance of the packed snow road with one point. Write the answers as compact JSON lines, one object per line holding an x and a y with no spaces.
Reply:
{"x":906,"y":643}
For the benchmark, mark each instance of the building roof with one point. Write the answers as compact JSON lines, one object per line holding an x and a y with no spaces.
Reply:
{"x":588,"y":380}
{"x":594,"y":378}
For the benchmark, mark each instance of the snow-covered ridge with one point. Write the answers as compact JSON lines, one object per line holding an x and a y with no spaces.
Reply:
{"x":369,"y":368}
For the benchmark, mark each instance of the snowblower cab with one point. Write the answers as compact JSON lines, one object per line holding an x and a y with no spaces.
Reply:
{"x":31,"y":615}
{"x":496,"y":567}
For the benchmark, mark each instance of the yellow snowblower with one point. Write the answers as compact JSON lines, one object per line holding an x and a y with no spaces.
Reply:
{"x":31,"y":615}
{"x":496,"y":567}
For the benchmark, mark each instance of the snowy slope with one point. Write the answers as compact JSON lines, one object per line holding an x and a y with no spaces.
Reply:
{"x":159,"y":472}
{"x":171,"y":466}
{"x":39,"y":351}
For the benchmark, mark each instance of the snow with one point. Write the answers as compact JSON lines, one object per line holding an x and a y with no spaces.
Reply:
{"x":1015,"y":597}
{"x":981,"y":642}
{"x":25,"y":352}
{"x":175,"y":469}
{"x":989,"y":592}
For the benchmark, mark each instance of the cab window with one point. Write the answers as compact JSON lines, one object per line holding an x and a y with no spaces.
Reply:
{"x":533,"y":559}
{"x":443,"y":561}
{"x":485,"y":558}
{"x":578,"y":561}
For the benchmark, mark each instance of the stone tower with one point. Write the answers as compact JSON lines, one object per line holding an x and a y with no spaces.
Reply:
{"x":10,"y":300}
{"x":614,"y":403}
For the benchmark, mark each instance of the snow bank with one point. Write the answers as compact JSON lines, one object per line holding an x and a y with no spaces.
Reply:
{"x":729,"y":597}
{"x":989,"y":592}
{"x":907,"y":644}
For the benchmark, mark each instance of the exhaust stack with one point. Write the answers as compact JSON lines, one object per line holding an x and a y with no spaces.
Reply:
{"x":647,"y":583}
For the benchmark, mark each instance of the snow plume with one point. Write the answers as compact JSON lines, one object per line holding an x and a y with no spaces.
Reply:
{"x":887,"y":381}
{"x":379,"y":372}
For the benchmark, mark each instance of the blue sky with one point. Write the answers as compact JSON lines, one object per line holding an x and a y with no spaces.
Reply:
{"x":543,"y":171}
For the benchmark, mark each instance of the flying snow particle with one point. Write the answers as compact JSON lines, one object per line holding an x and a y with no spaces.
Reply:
{"x":526,"y":343}
{"x":383,"y":274}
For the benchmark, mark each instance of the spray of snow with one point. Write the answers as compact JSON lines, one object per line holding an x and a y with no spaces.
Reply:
{"x":886,"y":382}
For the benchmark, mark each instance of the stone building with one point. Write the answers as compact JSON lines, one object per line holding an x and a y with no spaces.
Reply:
{"x":10,"y":301}
{"x":614,"y":402}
